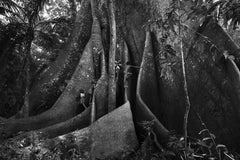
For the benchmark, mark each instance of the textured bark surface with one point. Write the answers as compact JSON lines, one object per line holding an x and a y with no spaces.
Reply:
{"x":130,"y":20}
{"x":97,"y":47}
{"x":148,"y":106}
{"x":112,"y":56}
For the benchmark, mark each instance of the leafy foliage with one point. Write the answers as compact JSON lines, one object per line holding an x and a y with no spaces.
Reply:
{"x":9,"y":7}
{"x":226,"y":11}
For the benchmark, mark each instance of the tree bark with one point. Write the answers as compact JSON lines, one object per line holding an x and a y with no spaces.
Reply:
{"x":112,"y":57}
{"x":147,"y":100}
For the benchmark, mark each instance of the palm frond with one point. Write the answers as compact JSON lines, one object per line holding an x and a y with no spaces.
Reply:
{"x":10,"y":5}
{"x":40,"y":4}
{"x":11,"y":10}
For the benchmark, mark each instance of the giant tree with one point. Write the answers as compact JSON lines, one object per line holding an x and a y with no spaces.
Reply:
{"x":133,"y":50}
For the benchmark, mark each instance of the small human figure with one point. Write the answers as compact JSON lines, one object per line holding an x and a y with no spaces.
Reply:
{"x":82,"y":98}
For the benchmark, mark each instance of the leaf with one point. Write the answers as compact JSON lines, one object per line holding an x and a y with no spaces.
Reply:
{"x":10,"y":5}
{"x":169,"y":153}
{"x":212,"y":136}
{"x":212,"y":158}
{"x":203,"y":144}
{"x":202,"y":131}
{"x":215,"y":5}
{"x":197,"y":155}
{"x":206,"y":139}
{"x":221,"y":147}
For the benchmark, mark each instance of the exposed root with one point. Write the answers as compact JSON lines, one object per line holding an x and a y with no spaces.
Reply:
{"x":101,"y":91}
{"x":65,"y":107}
{"x":80,"y":121}
{"x":97,"y":140}
{"x":100,"y":75}
{"x":147,"y":100}
{"x":234,"y":75}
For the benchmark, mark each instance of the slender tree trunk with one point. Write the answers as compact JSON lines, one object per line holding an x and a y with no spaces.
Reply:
{"x":112,"y":56}
{"x":26,"y":105}
{"x":185,"y":86}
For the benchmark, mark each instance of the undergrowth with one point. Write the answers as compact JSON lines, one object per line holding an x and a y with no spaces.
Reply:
{"x":203,"y":148}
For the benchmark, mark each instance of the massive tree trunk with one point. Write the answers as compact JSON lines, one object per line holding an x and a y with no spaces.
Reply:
{"x":153,"y":80}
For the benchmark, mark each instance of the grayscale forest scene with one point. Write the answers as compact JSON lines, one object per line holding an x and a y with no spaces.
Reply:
{"x":119,"y":79}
